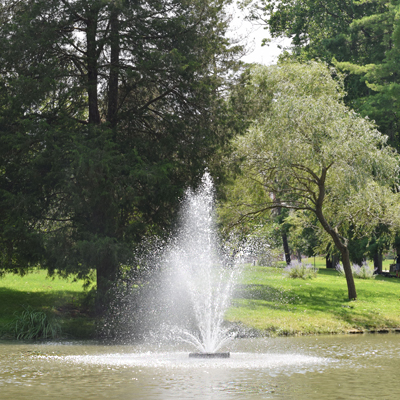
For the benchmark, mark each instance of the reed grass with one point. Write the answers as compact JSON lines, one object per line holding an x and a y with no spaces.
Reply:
{"x":31,"y":324}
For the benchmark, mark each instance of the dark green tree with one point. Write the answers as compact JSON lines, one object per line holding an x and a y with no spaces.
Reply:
{"x":372,"y":247}
{"x":360,"y":38}
{"x":108,"y":109}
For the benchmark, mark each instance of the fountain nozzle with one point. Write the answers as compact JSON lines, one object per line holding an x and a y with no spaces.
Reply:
{"x":209,"y":355}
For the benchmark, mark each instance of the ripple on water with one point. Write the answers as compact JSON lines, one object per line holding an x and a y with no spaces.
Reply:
{"x":181,"y":360}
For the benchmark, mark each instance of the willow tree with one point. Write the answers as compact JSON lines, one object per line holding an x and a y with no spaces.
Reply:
{"x":307,"y":149}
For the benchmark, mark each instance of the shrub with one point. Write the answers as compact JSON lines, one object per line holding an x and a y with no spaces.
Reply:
{"x":31,"y":324}
{"x":299,"y":270}
{"x":361,"y":272}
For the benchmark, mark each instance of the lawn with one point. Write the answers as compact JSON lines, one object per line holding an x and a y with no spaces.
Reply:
{"x":268,"y":301}
{"x":265,"y":300}
{"x":62,"y":299}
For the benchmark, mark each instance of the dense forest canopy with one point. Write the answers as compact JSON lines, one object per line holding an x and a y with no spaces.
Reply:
{"x":361,"y":38}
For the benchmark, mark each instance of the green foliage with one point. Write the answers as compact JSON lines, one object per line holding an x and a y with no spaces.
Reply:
{"x":302,"y":129}
{"x":299,"y":270}
{"x":103,"y":125}
{"x":360,"y":38}
{"x":304,"y":232}
{"x":306,"y":150}
{"x":31,"y":324}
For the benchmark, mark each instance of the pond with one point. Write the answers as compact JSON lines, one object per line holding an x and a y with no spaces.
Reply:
{"x":318,"y":367}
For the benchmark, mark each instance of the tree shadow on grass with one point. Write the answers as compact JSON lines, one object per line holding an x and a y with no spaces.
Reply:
{"x":328,"y":272}
{"x":314,"y":299}
{"x":333,"y":272}
{"x":12,"y":300}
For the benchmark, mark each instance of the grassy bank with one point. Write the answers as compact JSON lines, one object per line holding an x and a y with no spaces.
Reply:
{"x":276,"y":305}
{"x":62,"y":300}
{"x":265,"y":301}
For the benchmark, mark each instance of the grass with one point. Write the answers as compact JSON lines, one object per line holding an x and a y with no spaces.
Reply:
{"x":266,"y":300}
{"x":61,"y":300}
{"x":274,"y":304}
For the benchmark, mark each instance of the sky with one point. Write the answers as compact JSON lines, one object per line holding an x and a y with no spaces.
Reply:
{"x":254,"y":34}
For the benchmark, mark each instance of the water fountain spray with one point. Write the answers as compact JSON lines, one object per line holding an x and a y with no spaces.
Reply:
{"x":195,"y":261}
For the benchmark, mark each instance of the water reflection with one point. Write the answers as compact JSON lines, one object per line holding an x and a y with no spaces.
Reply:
{"x":330,"y":367}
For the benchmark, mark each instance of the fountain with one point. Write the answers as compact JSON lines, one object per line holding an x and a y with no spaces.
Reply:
{"x":321,"y":367}
{"x":187,"y":284}
{"x":196,"y":270}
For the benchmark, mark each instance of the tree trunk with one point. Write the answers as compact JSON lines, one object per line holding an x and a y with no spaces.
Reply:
{"x":285,"y":243}
{"x":114,"y":70}
{"x":286,"y":248}
{"x":106,"y":273}
{"x":332,"y":261}
{"x":328,"y":261}
{"x":105,"y":267}
{"x":344,"y":251}
{"x":92,"y":66}
{"x":378,"y":262}
{"x":351,"y":287}
{"x":340,"y":242}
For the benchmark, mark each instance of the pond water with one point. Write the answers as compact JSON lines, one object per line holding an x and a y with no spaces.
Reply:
{"x":321,"y":367}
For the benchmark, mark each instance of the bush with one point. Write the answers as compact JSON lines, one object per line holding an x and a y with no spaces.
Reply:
{"x":299,"y":270}
{"x":361,"y":272}
{"x":31,"y":324}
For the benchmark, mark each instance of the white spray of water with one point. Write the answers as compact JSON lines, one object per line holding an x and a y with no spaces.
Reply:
{"x":195,"y":262}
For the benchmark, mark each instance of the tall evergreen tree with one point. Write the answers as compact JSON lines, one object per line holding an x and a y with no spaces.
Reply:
{"x":108,"y":109}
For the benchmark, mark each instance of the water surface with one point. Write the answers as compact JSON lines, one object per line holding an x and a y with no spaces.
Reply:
{"x":323,"y":367}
